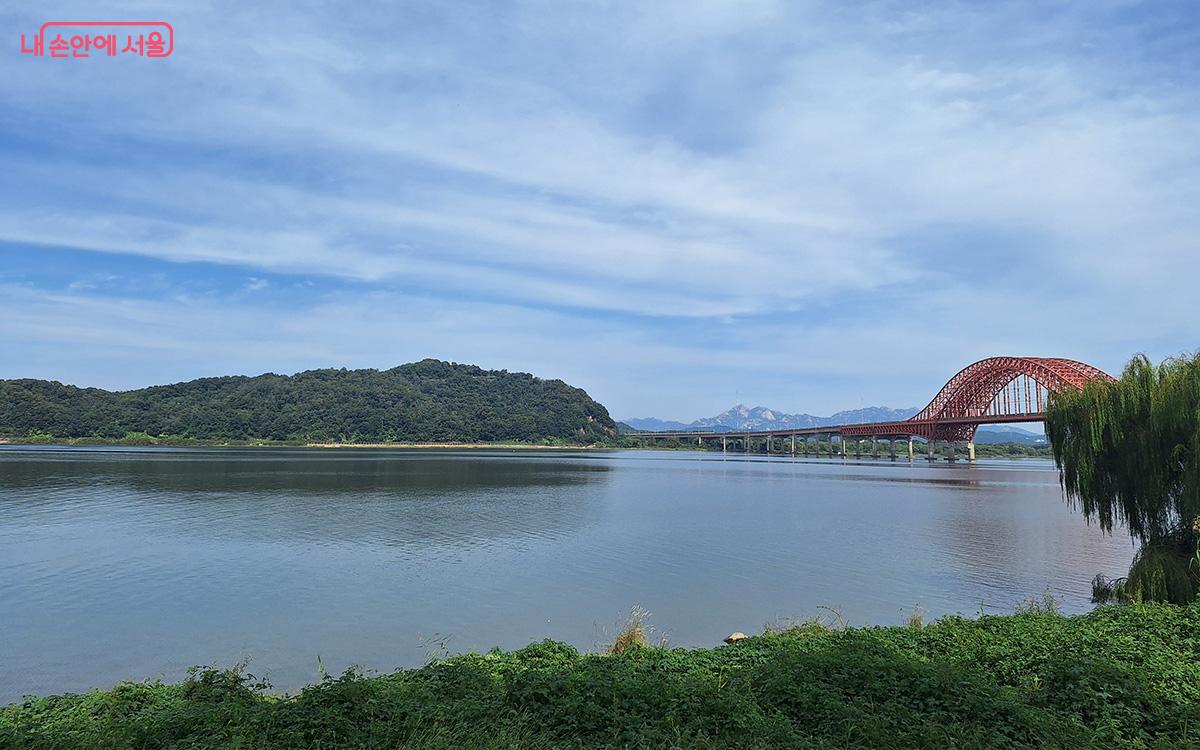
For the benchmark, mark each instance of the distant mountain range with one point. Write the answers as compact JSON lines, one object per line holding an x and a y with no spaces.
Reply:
{"x":742,"y":417}
{"x":1003,"y":433}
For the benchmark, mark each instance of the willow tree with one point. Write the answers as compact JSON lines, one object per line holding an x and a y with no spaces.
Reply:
{"x":1129,"y":455}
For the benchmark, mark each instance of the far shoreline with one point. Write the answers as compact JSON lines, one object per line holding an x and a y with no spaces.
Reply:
{"x":17,"y":442}
{"x":476,"y":446}
{"x":95,"y":443}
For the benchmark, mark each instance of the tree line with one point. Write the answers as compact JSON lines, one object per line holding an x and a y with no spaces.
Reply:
{"x":426,"y":401}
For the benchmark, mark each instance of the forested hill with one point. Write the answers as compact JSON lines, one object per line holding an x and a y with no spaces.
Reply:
{"x":427,"y":401}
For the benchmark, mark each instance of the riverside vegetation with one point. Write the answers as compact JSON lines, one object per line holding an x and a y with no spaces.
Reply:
{"x":1129,"y":452}
{"x":1119,"y":677}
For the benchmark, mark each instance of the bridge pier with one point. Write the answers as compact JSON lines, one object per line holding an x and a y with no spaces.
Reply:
{"x":811,"y":443}
{"x":971,"y":451}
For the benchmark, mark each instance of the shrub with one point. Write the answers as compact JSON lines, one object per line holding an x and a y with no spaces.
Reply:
{"x":1117,"y":677}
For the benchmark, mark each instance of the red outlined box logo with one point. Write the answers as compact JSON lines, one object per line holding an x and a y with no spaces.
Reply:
{"x":80,"y":39}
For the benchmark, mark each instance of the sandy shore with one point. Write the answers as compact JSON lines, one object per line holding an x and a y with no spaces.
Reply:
{"x":504,"y":446}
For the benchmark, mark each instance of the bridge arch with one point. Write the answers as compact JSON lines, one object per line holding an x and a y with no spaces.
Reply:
{"x":998,"y":389}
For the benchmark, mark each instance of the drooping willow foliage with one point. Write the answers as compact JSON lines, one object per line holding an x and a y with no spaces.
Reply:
{"x":1129,"y":453}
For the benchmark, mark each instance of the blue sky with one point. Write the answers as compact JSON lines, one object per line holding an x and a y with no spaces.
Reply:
{"x":675,"y":205}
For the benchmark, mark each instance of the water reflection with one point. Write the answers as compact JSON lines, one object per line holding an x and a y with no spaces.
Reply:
{"x":306,"y":496}
{"x":129,"y":564}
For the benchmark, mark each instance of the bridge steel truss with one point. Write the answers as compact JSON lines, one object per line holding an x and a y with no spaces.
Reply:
{"x":991,"y":391}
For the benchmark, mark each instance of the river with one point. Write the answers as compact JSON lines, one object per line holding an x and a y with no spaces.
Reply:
{"x":125,"y":563}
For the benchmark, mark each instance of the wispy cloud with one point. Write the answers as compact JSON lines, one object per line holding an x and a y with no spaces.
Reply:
{"x":724,"y":186}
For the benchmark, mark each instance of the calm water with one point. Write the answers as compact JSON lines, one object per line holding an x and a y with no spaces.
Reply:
{"x":139,"y":563}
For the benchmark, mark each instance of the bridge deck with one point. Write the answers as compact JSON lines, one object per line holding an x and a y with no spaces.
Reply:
{"x":903,"y":428}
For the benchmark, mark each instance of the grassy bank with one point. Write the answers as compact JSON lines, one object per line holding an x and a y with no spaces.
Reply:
{"x":1119,"y":677}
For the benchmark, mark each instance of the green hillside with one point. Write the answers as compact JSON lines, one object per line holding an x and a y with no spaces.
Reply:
{"x":426,"y":401}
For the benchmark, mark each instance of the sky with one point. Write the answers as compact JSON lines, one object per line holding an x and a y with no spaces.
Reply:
{"x":676,"y":205}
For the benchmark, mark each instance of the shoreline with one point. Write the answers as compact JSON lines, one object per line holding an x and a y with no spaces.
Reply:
{"x":1117,"y":676}
{"x":475,"y":446}
{"x":168,"y":443}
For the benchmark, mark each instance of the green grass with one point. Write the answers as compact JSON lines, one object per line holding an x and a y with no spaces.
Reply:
{"x":1119,"y":677}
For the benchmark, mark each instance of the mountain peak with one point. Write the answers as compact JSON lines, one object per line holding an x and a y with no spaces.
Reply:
{"x":741,"y":417}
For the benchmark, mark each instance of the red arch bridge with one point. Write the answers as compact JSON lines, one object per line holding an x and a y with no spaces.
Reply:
{"x":991,"y":391}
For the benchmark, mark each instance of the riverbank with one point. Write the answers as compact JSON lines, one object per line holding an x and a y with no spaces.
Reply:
{"x":1001,"y":450}
{"x":1126,"y":676}
{"x":492,"y":446}
{"x":182,"y":442}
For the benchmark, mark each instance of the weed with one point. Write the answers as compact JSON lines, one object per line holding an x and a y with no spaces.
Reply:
{"x":636,"y":633}
{"x":1046,"y":604}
